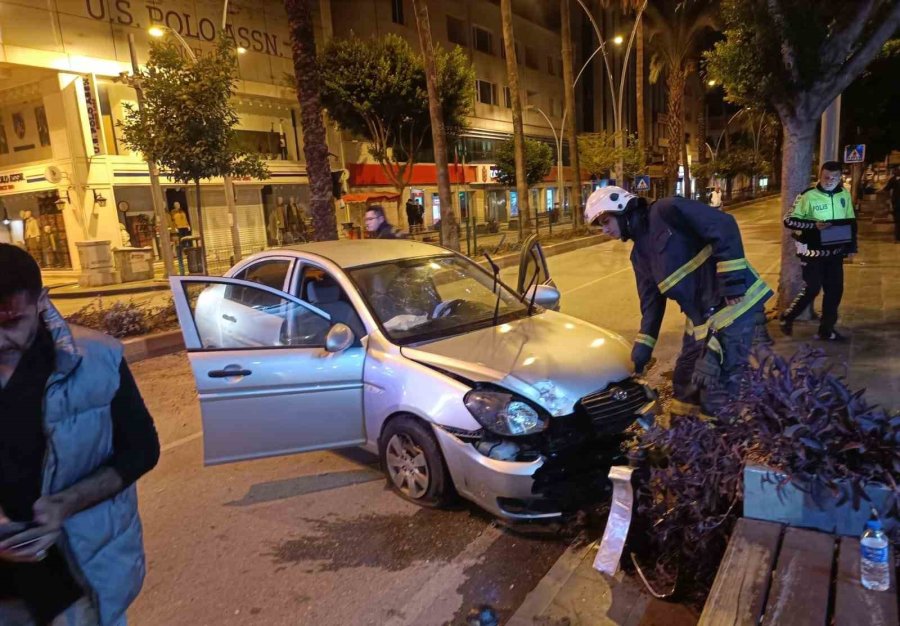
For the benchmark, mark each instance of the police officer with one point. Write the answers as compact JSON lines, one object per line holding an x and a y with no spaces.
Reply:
{"x":691,"y":253}
{"x":824,"y":227}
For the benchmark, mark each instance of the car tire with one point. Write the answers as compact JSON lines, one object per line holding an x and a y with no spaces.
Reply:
{"x":413,"y":463}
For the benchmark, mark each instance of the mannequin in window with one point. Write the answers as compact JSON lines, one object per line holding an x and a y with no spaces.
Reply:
{"x":32,"y":231}
{"x":50,"y":247}
{"x":180,"y":220}
{"x":275,"y":225}
{"x":124,"y":235}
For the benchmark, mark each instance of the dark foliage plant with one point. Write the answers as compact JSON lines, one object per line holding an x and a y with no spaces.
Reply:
{"x":795,"y":415}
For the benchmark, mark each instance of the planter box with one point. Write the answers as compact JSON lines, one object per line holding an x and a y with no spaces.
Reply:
{"x":789,"y":505}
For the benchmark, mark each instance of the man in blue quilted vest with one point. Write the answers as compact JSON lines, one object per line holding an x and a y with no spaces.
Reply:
{"x":75,"y":435}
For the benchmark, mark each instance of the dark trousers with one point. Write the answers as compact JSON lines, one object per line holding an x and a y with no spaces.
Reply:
{"x":820,"y":274}
{"x":736,"y":340}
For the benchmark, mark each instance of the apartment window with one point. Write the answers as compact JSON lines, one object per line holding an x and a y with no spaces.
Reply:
{"x":531,"y":58}
{"x":507,"y":98}
{"x":456,"y":31}
{"x":551,"y":66}
{"x":486,"y":92}
{"x":559,"y":67}
{"x":530,"y":98}
{"x":482,"y":40}
{"x":397,"y":11}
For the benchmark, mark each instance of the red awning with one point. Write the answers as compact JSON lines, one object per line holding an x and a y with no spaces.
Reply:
{"x":371,"y":196}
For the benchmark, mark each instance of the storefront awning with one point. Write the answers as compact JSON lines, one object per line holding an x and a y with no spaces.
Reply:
{"x":371,"y":196}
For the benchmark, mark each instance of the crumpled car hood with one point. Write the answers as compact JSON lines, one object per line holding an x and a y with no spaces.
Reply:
{"x":550,"y":358}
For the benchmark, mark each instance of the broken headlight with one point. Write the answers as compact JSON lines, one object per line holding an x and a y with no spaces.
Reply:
{"x":504,"y":413}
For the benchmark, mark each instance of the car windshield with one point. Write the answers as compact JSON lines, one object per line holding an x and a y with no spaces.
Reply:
{"x":427,"y":298}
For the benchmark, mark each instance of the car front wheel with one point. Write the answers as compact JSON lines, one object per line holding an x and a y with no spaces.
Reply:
{"x":414,"y":464}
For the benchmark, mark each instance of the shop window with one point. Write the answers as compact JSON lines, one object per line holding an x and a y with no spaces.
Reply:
{"x":36,"y":223}
{"x":456,"y":31}
{"x":482,"y":40}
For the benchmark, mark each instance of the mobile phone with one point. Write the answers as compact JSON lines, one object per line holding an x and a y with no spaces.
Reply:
{"x":27,"y":542}
{"x":14,"y":528}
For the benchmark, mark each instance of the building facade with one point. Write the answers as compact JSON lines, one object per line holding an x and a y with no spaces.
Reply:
{"x":66,"y":175}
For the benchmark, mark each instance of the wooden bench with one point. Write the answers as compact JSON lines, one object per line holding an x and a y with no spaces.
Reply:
{"x":794,"y":577}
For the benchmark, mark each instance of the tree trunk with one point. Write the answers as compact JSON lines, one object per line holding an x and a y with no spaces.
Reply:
{"x":315,"y":145}
{"x":449,"y":221}
{"x":512,"y":73}
{"x":639,"y":66}
{"x":674,"y":124}
{"x":200,"y":228}
{"x":796,"y":165}
{"x":686,"y":180}
{"x":569,"y":100}
{"x":701,"y":128}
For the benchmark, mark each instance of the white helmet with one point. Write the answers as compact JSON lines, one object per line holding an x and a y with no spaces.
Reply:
{"x":606,"y":200}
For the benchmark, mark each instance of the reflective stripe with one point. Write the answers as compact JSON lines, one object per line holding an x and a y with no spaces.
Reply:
{"x":677,"y":407}
{"x":730,"y":266}
{"x":725,"y":317}
{"x":675,"y":277}
{"x":647,"y":340}
{"x":714,"y":345}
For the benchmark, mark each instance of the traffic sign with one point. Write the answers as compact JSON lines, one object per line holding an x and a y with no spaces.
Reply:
{"x":642,"y":183}
{"x":855,"y":153}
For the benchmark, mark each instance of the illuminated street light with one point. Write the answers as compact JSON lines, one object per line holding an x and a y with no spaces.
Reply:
{"x":241,"y":50}
{"x":711,"y":83}
{"x":156,"y":31}
{"x":618,"y":40}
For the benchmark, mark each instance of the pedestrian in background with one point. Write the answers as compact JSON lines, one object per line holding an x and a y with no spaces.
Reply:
{"x":824,"y":227}
{"x":74,"y":437}
{"x":715,"y":198}
{"x":377,"y":225}
{"x":893,"y":186}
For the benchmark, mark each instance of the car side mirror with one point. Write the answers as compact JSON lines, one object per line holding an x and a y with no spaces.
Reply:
{"x":544,"y":296}
{"x":339,"y":338}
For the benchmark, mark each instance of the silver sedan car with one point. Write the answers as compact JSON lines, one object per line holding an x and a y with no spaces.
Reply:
{"x":461,"y":384}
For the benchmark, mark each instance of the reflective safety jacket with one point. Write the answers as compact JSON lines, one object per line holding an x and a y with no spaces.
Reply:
{"x":692,"y":253}
{"x":817,"y":205}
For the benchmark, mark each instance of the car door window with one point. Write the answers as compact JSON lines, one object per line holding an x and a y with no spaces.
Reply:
{"x":320,"y":289}
{"x":271,"y":273}
{"x":263,"y":319}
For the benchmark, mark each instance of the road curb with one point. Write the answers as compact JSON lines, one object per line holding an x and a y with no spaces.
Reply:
{"x":512,"y":259}
{"x":541,"y":597}
{"x":149,"y":346}
{"x":97,"y":293}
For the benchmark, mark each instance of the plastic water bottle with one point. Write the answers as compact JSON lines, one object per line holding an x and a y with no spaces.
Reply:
{"x":873,"y":558}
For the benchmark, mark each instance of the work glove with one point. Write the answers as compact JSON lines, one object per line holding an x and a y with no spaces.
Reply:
{"x":640,"y":356}
{"x":709,"y":364}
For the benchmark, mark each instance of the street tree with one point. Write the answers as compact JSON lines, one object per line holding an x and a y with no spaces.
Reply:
{"x":315,"y":143}
{"x":512,"y":77}
{"x":600,"y":154}
{"x":449,"y":220}
{"x":539,"y":160}
{"x":798,"y":56}
{"x":376,"y":89}
{"x":187,"y":122}
{"x":676,"y":29}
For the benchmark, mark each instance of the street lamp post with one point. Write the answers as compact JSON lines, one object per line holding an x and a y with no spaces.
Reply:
{"x":618,"y":97}
{"x":557,"y":138}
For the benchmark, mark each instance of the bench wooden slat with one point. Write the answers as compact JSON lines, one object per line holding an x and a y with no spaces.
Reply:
{"x":739,"y":591}
{"x":854,"y":604}
{"x":801,"y":584}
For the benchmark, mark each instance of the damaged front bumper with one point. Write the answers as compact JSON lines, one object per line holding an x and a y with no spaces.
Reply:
{"x":550,"y":474}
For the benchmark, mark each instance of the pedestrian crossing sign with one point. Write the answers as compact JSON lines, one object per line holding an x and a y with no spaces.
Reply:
{"x":855,"y":153}
{"x":642,"y":183}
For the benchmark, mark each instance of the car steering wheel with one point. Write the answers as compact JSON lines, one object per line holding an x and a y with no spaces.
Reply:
{"x":446,"y":309}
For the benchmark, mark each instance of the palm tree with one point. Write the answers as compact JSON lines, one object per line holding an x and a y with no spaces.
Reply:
{"x":675,"y":30}
{"x":569,"y":100}
{"x":315,"y":145}
{"x":449,"y":231}
{"x":512,"y":74}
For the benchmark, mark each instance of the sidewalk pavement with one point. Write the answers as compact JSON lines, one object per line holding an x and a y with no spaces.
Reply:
{"x":572,"y":593}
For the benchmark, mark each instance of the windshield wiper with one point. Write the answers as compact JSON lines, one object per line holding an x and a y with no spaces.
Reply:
{"x":496,"y":286}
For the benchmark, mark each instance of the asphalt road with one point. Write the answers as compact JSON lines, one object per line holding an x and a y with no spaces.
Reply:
{"x":317,"y":538}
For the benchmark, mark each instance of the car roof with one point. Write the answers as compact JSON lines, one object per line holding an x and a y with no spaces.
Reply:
{"x":349,"y":253}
